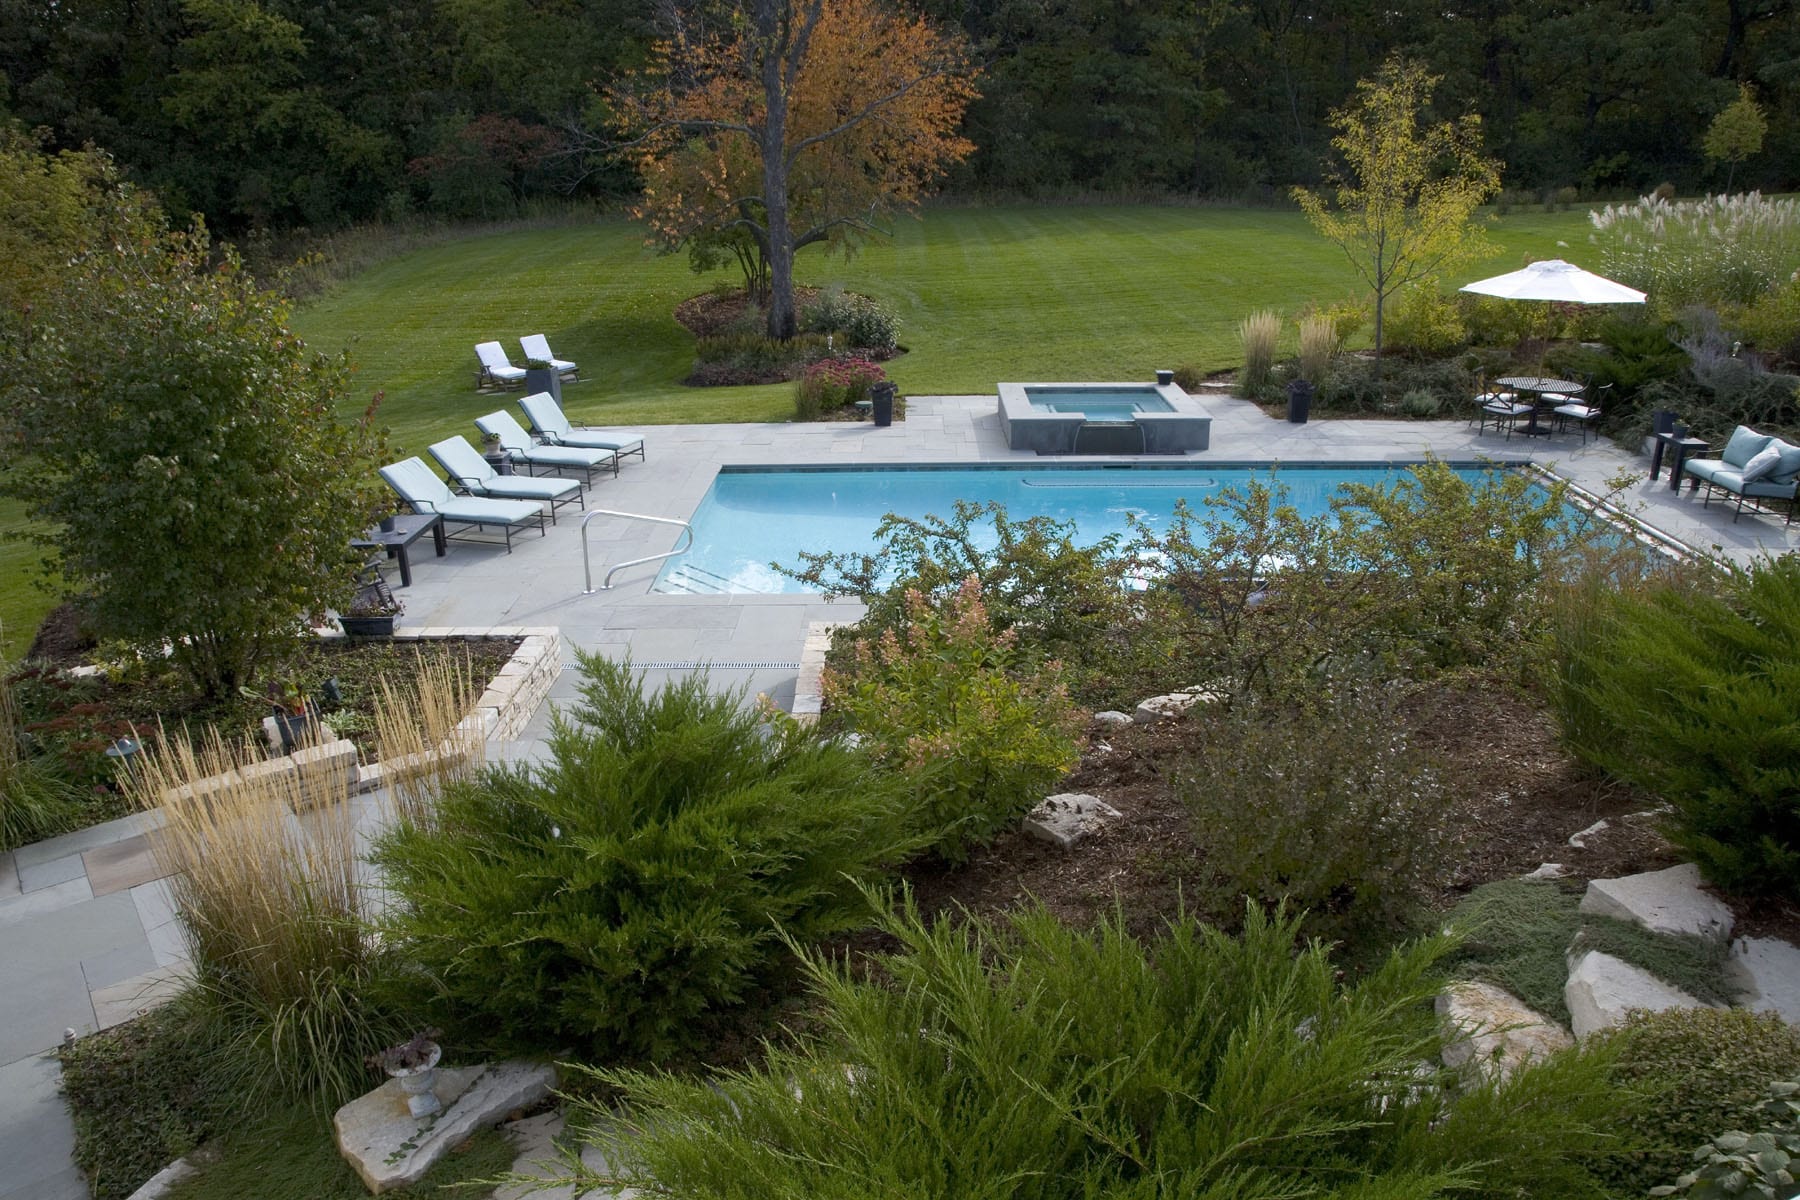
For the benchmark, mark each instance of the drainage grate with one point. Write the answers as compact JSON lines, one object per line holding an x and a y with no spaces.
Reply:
{"x":672,"y":664}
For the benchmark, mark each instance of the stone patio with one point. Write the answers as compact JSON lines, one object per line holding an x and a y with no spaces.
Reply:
{"x":86,"y":930}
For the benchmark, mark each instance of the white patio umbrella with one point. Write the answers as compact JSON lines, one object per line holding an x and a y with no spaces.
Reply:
{"x":1555,"y":279}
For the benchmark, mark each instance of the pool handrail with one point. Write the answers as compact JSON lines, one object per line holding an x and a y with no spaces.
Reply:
{"x":687,"y":531}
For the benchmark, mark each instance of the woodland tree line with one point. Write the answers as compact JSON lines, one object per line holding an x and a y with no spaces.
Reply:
{"x":281,"y":114}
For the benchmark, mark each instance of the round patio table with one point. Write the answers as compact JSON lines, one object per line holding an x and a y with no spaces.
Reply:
{"x":1537,"y":385}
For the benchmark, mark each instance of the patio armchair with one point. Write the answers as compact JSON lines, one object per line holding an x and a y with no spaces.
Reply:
{"x":476,"y":476}
{"x":551,"y":425}
{"x":496,"y":370}
{"x":419,"y":486}
{"x":1584,"y":410}
{"x":537,"y":346}
{"x":524,"y":452}
{"x":1754,"y":467}
{"x":1499,"y":409}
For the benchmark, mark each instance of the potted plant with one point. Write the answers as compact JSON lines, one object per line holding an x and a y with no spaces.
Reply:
{"x":414,"y":1064}
{"x":371,"y":613}
{"x":388,"y":515}
{"x":542,"y":376}
{"x":495,"y":453}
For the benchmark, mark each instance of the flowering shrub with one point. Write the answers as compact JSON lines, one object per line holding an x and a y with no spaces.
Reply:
{"x":1721,"y":249}
{"x":834,"y":383}
{"x":941,"y":699}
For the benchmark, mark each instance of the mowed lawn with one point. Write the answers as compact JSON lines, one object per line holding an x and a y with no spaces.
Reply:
{"x":983,"y":295}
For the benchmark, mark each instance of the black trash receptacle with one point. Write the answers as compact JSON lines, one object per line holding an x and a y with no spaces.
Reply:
{"x":1662,"y":421}
{"x":1300,"y":396}
{"x":881,"y":396}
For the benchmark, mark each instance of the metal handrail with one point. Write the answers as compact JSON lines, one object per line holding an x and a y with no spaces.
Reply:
{"x":606,"y":583}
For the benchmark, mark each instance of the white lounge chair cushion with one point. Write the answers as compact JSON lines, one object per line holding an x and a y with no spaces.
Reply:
{"x":493,"y":357}
{"x":474,"y":472}
{"x":1579,"y":412}
{"x":536,"y":345}
{"x":517,"y":443}
{"x":547,"y":415}
{"x":420,"y":487}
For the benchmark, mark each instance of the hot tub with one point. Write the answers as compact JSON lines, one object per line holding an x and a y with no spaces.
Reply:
{"x":1103,"y":418}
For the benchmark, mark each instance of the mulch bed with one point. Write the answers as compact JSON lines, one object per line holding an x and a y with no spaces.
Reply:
{"x":1521,"y":797}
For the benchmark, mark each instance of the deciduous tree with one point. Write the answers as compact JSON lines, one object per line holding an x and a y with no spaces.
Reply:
{"x":805,"y":123}
{"x":1736,"y":133}
{"x":181,"y":445}
{"x":1406,"y":194}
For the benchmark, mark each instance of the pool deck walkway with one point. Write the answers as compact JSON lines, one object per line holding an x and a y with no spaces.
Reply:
{"x":87,"y":934}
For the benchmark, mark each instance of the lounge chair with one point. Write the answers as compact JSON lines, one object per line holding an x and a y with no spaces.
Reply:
{"x":549,"y":423}
{"x":464,"y":464}
{"x":496,"y":371}
{"x":528,"y":454}
{"x":1754,"y":467}
{"x":537,"y":346}
{"x":419,"y":486}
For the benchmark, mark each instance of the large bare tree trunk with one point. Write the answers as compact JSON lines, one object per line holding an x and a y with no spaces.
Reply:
{"x":785,"y":27}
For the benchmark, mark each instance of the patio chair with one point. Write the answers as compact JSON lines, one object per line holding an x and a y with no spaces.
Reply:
{"x":1579,"y":410}
{"x":549,"y":423}
{"x":1757,"y":469}
{"x":496,"y":371}
{"x":536,"y":345}
{"x":528,"y":454}
{"x":464,"y":464}
{"x":419,"y":486}
{"x":1499,"y":409}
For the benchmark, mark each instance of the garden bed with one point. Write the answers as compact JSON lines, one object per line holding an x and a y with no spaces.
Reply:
{"x":75,"y":717}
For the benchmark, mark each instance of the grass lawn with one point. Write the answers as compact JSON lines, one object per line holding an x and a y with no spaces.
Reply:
{"x":983,"y":294}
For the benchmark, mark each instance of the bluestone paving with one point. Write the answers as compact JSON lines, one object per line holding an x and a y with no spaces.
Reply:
{"x":89,"y":935}
{"x":56,"y":870}
{"x":36,"y":1138}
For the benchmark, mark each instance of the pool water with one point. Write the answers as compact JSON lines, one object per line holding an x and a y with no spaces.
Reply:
{"x":753,"y":517}
{"x":1097,"y":405}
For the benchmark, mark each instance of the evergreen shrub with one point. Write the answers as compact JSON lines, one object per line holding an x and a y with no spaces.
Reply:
{"x":1688,"y":693}
{"x":640,"y":881}
{"x":947,"y":700}
{"x":1690,"y":1072}
{"x":1035,"y":1061}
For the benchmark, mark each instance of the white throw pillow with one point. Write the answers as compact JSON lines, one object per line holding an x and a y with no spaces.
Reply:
{"x":1761,"y":463}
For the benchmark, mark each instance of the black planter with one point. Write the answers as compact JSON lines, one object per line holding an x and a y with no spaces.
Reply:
{"x":1300,"y":398}
{"x":543,"y":379}
{"x":387,"y":524}
{"x":296,"y":729}
{"x":881,"y":398}
{"x":1165,"y":378}
{"x":382,"y":626}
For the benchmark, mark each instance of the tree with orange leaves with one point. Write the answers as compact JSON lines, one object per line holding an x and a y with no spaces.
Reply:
{"x":806,"y":122}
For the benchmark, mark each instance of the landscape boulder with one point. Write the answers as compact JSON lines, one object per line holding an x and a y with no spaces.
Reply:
{"x":1174,"y":704}
{"x":1767,"y":974}
{"x":390,"y":1148}
{"x":1668,"y":901}
{"x":1067,"y":817}
{"x":1602,"y":989}
{"x":1493,"y":1031}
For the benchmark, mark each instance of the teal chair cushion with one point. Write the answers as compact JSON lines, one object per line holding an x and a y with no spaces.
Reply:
{"x":1744,"y":445}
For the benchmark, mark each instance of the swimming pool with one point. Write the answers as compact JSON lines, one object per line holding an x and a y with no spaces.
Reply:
{"x":752,"y":517}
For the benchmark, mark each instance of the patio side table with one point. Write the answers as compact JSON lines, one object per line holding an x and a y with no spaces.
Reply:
{"x":1680,"y":447}
{"x":407,"y":529}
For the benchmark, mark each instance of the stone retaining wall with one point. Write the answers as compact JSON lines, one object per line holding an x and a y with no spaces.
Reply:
{"x":331,"y":769}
